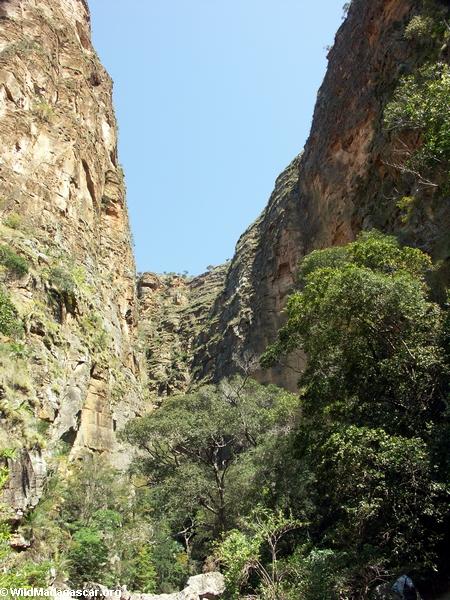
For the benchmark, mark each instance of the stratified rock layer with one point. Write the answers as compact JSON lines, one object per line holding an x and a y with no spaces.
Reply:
{"x":174,"y":312}
{"x":342,"y":183}
{"x":73,"y":378}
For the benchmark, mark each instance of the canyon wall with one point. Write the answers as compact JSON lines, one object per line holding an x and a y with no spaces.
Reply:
{"x":344,"y":181}
{"x":70,"y":371}
{"x":70,"y":374}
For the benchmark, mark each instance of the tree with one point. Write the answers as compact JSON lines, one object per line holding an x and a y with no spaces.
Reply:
{"x":372,"y":337}
{"x":193,"y":446}
{"x":88,"y":556}
{"x":241,"y":552}
{"x":374,"y":397}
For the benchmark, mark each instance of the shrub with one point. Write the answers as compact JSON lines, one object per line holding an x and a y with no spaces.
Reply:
{"x":141,"y":572}
{"x":87,"y":556}
{"x":62,"y":280}
{"x":420,"y":103}
{"x":29,"y":574}
{"x":420,"y":29}
{"x":43,"y":111}
{"x":15,"y":264}
{"x":10,"y":324}
{"x":13,"y":221}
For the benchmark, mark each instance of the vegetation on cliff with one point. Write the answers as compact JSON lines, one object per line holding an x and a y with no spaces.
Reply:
{"x":323,"y":494}
{"x":374,"y":426}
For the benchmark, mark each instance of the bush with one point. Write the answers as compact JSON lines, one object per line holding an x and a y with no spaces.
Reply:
{"x":13,"y":221}
{"x":43,"y":111}
{"x":88,"y":556}
{"x":62,"y":280}
{"x":255,"y":552}
{"x":15,"y":264}
{"x":10,"y":324}
{"x":30,"y":574}
{"x":140,"y":571}
{"x":313,"y":575}
{"x":420,"y":103}
{"x":420,"y":29}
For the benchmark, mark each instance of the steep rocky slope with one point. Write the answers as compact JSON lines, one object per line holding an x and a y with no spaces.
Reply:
{"x":72,"y":374}
{"x":69,"y":373}
{"x":174,"y":311}
{"x":343,"y":182}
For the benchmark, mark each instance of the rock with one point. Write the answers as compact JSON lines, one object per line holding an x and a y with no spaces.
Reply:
{"x":18,"y":542}
{"x":207,"y":586}
{"x":338,"y":186}
{"x":27,"y":472}
{"x":58,"y":160}
{"x":174,"y":311}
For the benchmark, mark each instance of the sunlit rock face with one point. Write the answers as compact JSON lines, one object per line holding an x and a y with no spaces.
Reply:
{"x":75,"y":378}
{"x":343,"y":182}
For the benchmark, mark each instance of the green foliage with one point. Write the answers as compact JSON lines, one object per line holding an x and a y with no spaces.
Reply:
{"x":170,"y":560}
{"x":93,"y":526}
{"x":15,"y":264}
{"x":313,"y":573}
{"x":201,"y":452}
{"x":62,"y":280}
{"x":109,"y":530}
{"x":95,"y":335}
{"x":23,"y":47}
{"x":87,"y":556}
{"x":43,"y":111}
{"x":141,"y":571}
{"x":5,"y":453}
{"x":420,"y":29}
{"x":420,"y":103}
{"x":13,"y":221}
{"x":10,"y":324}
{"x":406,"y":204}
{"x":241,"y":553}
{"x":373,"y":410}
{"x":396,"y":507}
{"x":30,"y":574}
{"x":236,"y":553}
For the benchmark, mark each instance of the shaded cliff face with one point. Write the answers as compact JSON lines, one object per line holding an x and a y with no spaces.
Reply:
{"x":174,"y":311}
{"x":343,"y":182}
{"x":69,"y":374}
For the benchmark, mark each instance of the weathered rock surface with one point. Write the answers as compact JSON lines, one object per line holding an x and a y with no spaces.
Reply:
{"x":208,"y":586}
{"x":74,"y":376}
{"x":174,"y":311}
{"x":342,"y":183}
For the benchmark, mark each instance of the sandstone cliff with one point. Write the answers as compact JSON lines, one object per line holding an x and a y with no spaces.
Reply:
{"x":175,"y":311}
{"x":343,"y":182}
{"x":69,"y":374}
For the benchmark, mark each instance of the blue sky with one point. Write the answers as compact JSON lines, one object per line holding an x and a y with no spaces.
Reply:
{"x":213,"y":98}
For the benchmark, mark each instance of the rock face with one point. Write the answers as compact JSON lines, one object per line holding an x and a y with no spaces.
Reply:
{"x":342,"y":183}
{"x":174,"y":314}
{"x":72,"y":377}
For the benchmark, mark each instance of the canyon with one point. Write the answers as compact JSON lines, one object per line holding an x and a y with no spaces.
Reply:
{"x":63,"y":209}
{"x":97,"y":345}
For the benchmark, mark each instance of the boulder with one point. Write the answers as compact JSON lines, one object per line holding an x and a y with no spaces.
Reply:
{"x":208,"y":586}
